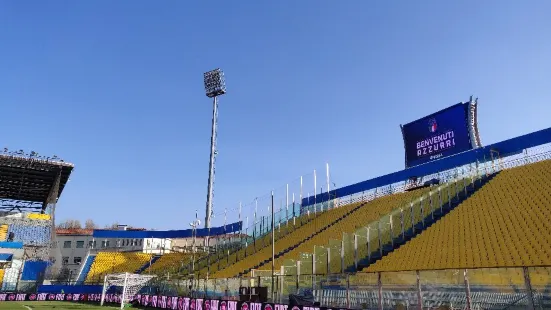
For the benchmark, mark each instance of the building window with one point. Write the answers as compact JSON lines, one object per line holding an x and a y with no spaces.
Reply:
{"x":80,"y":244}
{"x":141,"y":242}
{"x":65,"y":260}
{"x":92,"y":244}
{"x":67,"y":244}
{"x":77,"y":260}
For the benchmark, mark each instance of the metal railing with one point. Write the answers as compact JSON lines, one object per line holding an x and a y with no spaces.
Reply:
{"x":488,"y":288}
{"x":285,"y":217}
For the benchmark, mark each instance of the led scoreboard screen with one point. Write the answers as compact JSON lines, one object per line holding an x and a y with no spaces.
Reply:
{"x":444,"y":133}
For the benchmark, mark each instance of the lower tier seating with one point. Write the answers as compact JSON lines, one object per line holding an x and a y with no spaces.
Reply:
{"x":298,"y":229}
{"x":504,"y":224}
{"x":116,"y":262}
{"x":321,"y":230}
{"x":372,"y":211}
{"x":170,"y":263}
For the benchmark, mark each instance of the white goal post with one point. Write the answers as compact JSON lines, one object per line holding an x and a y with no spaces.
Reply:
{"x":130,"y":283}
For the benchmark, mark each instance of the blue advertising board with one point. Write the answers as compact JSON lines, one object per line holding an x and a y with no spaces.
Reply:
{"x":438,"y":135}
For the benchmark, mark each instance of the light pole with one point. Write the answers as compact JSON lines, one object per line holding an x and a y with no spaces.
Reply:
{"x":215,"y":85}
{"x":273,"y":249}
{"x":194,"y":225}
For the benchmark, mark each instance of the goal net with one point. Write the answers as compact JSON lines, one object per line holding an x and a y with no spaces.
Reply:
{"x":125,"y":284}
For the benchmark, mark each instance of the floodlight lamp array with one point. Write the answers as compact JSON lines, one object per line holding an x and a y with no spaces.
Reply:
{"x":30,"y":155}
{"x":215,"y":83}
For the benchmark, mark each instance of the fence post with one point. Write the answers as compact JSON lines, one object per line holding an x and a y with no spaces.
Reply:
{"x":402,"y":223}
{"x":419,"y":293}
{"x":314,"y":262}
{"x":465,"y":184}
{"x":528,"y":285}
{"x":368,"y":247}
{"x":391,"y":232}
{"x":422,"y":205}
{"x":348,"y":291}
{"x":227,"y":290}
{"x":431,"y":205}
{"x":356,"y":252}
{"x":440,"y":198}
{"x":449,"y":197}
{"x":281,"y":280}
{"x":214,"y":286}
{"x":380,"y":289}
{"x":380,"y":239}
{"x":298,"y":275}
{"x":467,"y":290}
{"x":342,"y":255}
{"x":456,"y":188}
{"x":328,"y":260}
{"x":412,"y":217}
{"x":205,"y":282}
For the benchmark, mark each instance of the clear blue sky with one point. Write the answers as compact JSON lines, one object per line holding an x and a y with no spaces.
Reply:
{"x":116,"y":88}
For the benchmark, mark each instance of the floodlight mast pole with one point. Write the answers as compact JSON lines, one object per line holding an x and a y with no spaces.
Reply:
{"x":214,"y":86}
{"x":212,"y":162}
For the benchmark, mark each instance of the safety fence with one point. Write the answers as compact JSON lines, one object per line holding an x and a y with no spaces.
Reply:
{"x":488,"y":288}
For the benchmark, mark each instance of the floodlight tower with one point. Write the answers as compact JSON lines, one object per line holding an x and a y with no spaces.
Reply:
{"x":215,"y":85}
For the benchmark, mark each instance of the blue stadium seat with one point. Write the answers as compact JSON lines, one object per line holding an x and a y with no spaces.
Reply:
{"x":30,"y":235}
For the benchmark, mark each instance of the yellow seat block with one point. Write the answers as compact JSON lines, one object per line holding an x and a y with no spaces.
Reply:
{"x":504,"y":224}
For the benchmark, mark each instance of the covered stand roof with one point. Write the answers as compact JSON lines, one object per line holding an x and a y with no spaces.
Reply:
{"x":26,"y":181}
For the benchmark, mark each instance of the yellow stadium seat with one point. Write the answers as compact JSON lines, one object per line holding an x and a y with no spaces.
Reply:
{"x":3,"y":232}
{"x":116,"y":262}
{"x":38,"y":216}
{"x":328,"y":225}
{"x":171,"y":263}
{"x":503,"y":224}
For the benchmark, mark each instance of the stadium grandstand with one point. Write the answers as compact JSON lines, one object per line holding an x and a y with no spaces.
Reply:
{"x":30,"y":186}
{"x":469,"y":230}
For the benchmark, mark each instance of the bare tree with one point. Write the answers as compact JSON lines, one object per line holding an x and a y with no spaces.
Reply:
{"x":90,"y":224}
{"x":64,"y":275}
{"x":70,"y":224}
{"x":115,"y":225}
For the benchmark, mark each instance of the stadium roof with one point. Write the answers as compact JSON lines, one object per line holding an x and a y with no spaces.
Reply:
{"x":28,"y":181}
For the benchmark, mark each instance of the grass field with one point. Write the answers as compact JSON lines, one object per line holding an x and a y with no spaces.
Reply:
{"x":58,"y":305}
